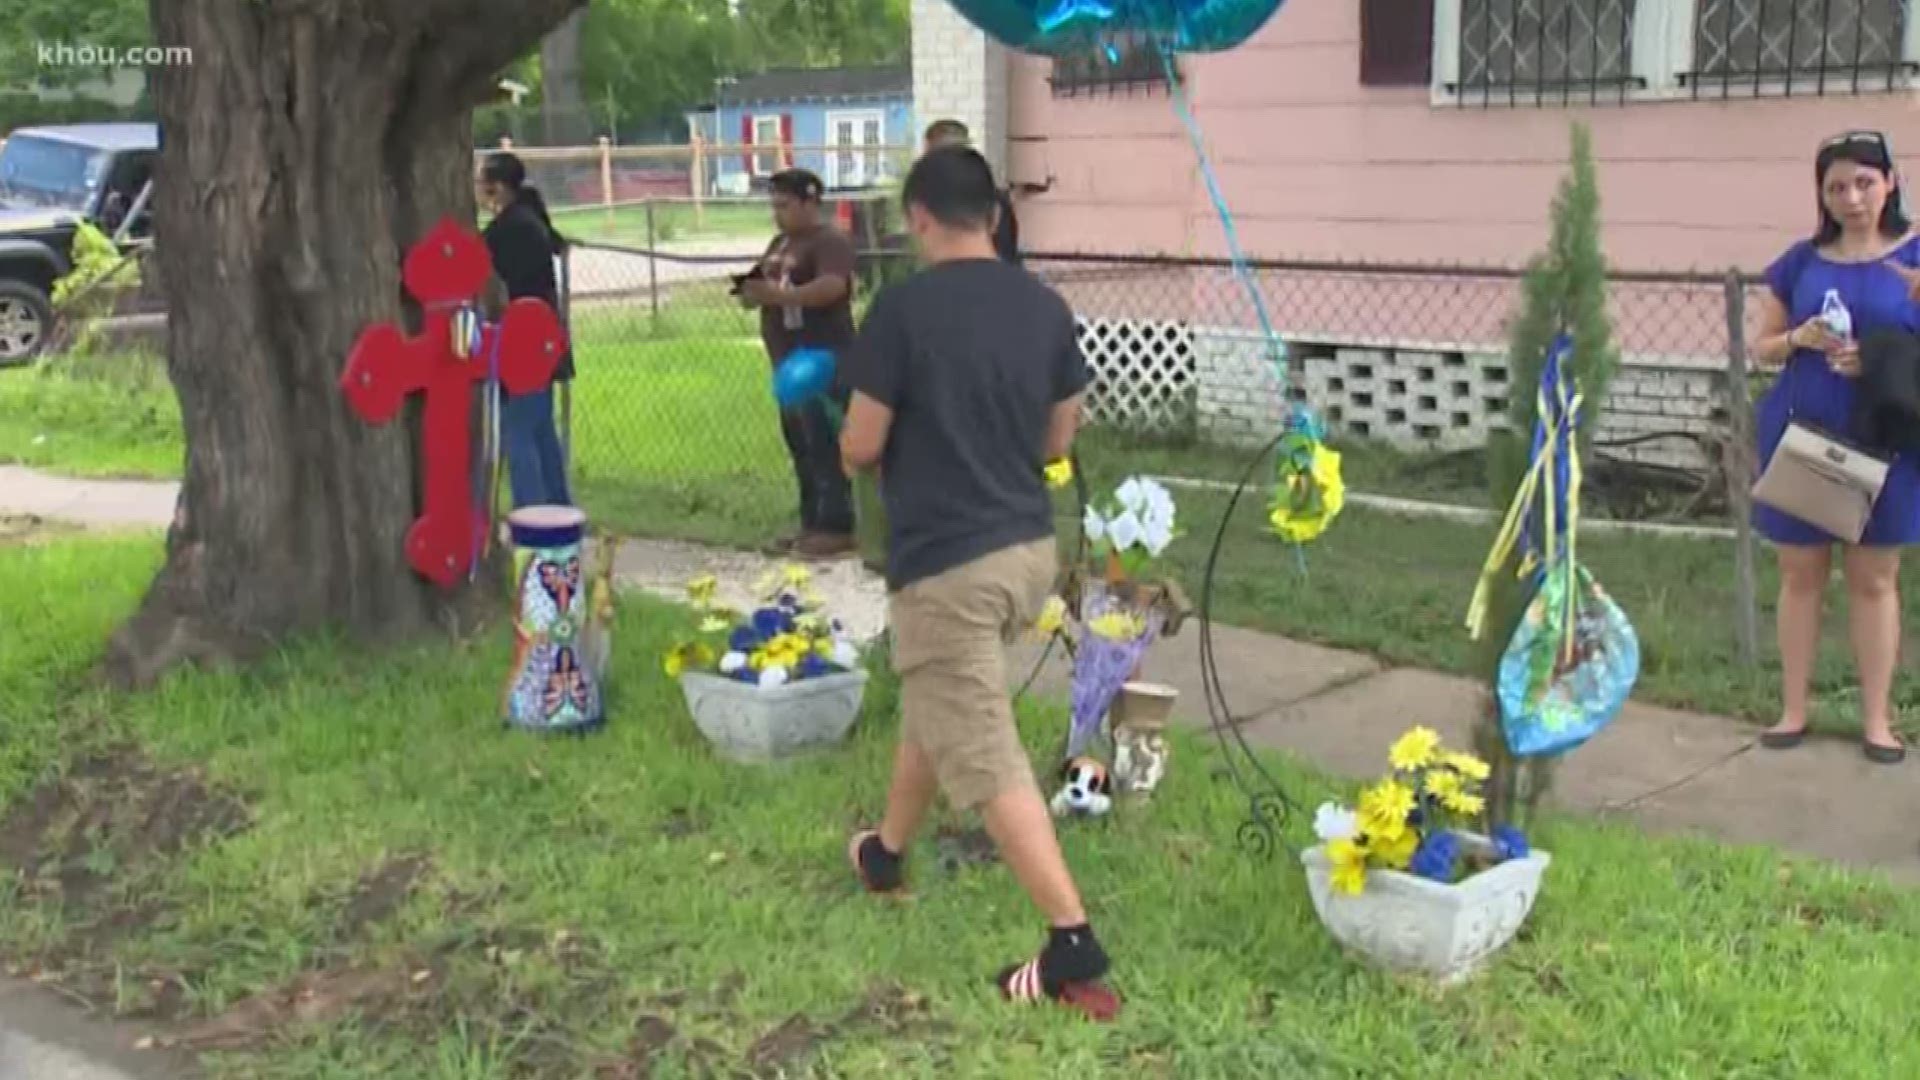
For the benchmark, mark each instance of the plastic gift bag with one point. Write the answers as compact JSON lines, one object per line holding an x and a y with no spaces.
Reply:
{"x":1569,"y":667}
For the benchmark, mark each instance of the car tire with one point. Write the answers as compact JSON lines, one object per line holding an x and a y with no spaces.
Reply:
{"x":26,"y":322}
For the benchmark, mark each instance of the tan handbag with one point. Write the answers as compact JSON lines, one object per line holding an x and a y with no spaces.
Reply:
{"x":1823,"y":481}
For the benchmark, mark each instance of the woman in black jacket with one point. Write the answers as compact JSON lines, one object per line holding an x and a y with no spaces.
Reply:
{"x":523,"y":243}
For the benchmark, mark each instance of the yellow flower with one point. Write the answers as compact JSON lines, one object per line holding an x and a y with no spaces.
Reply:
{"x":1396,"y":853}
{"x":1052,"y":617}
{"x":797,"y":577}
{"x":701,"y":590}
{"x":1118,"y":626}
{"x":1462,"y":803}
{"x":1349,"y":861}
{"x":1466,"y":765}
{"x":715,"y":624}
{"x":691,"y":654}
{"x":809,"y":623}
{"x":1415,"y":749}
{"x":1442,"y":784}
{"x":1298,"y":527}
{"x":1059,"y":473}
{"x":1384,"y":810}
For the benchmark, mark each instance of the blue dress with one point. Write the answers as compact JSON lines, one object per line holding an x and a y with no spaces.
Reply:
{"x":1809,"y":390}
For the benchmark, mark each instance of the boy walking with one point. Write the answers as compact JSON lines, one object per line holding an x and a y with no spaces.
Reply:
{"x":966,"y":379}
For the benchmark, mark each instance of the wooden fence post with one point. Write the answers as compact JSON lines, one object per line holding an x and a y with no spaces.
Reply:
{"x":1738,"y":469}
{"x":699,"y":179}
{"x":606,"y":178}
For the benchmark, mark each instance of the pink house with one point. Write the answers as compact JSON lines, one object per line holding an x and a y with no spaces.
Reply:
{"x":1405,"y":131}
{"x":1399,"y":134}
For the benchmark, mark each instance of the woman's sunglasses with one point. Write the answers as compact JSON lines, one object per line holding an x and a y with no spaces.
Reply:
{"x":1856,"y":138}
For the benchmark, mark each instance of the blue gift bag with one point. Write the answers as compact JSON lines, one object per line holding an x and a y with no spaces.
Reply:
{"x":1573,"y":659}
{"x":1569,"y":667}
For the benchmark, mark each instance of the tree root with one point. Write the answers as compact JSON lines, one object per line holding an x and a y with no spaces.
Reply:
{"x":158,"y":640}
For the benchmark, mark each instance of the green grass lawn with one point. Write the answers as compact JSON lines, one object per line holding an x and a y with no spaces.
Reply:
{"x":449,"y":901}
{"x":671,"y":222}
{"x":676,"y":435}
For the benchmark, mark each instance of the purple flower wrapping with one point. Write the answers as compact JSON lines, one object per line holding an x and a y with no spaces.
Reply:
{"x":1101,"y":666}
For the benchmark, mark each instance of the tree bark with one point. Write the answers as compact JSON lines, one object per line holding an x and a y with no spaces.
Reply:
{"x":305,"y":147}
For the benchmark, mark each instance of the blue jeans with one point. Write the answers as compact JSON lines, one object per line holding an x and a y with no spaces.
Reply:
{"x":531,"y":442}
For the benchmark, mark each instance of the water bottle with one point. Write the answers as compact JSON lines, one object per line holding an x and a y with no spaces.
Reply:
{"x":1834,"y":313}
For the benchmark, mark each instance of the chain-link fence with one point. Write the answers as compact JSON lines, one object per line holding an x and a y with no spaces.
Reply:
{"x":674,"y":400}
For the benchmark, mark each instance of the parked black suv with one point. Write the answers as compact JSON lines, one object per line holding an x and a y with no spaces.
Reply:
{"x":52,"y":179}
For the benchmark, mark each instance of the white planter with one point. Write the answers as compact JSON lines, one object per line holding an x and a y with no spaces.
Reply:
{"x":1411,"y":924}
{"x":746,"y":723}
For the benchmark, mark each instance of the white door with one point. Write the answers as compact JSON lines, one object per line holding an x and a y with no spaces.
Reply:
{"x":849,"y":163}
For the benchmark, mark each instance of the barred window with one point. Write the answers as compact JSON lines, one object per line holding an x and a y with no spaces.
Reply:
{"x":1811,"y":42}
{"x":1125,"y":64}
{"x":1541,"y":45}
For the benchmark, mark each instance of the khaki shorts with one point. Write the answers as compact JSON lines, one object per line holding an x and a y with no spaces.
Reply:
{"x":950,"y":633}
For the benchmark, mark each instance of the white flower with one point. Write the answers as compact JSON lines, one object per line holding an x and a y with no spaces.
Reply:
{"x":1095,"y":526}
{"x":772,"y":677}
{"x":1133,"y":494}
{"x":1332,"y":823}
{"x":845,"y":653}
{"x":732,"y":662}
{"x":1156,"y":535}
{"x":1159,"y":506}
{"x":1124,"y":530}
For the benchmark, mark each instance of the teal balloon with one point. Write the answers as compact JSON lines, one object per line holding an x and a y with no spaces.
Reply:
{"x":1061,"y":27}
{"x":804,"y":375}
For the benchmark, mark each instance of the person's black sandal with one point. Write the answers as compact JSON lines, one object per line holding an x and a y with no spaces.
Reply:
{"x":1880,"y":754}
{"x":1782,"y":740}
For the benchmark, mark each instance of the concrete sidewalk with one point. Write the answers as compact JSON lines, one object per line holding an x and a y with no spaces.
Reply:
{"x":42,"y":1037}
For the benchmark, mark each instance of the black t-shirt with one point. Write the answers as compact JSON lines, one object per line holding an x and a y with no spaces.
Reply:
{"x":971,"y":356}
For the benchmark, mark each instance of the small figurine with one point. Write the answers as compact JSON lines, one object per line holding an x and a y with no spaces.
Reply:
{"x":1088,"y":789}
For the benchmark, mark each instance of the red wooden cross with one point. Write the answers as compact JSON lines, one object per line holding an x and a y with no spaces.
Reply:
{"x":448,"y":266}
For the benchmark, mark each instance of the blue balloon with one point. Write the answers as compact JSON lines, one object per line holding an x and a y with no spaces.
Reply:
{"x":804,"y":375}
{"x":1060,"y":27}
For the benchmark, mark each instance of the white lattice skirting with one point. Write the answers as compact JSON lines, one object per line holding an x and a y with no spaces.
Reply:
{"x":1163,"y":375}
{"x":1144,"y":374}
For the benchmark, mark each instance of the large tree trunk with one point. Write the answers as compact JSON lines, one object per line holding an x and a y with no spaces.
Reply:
{"x":304,"y":148}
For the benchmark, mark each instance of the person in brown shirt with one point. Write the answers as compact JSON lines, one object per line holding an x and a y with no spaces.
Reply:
{"x":803,"y":287}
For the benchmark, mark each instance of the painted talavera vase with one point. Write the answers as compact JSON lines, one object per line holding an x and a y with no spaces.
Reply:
{"x":560,"y":634}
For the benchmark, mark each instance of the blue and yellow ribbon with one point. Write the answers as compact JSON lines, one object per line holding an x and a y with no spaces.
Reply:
{"x":1553,"y":476}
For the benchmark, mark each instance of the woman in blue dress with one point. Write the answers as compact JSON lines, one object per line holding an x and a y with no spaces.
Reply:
{"x":1866,"y":254}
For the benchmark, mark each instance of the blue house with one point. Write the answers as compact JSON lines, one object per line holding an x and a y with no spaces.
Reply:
{"x":833,"y":121}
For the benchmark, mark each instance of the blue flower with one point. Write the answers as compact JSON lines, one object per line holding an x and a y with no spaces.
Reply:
{"x":770,"y":621}
{"x":747,"y":675}
{"x":812,"y":667}
{"x":744,"y":640}
{"x":1510,"y":843}
{"x":789,"y":602}
{"x":1437,"y":856}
